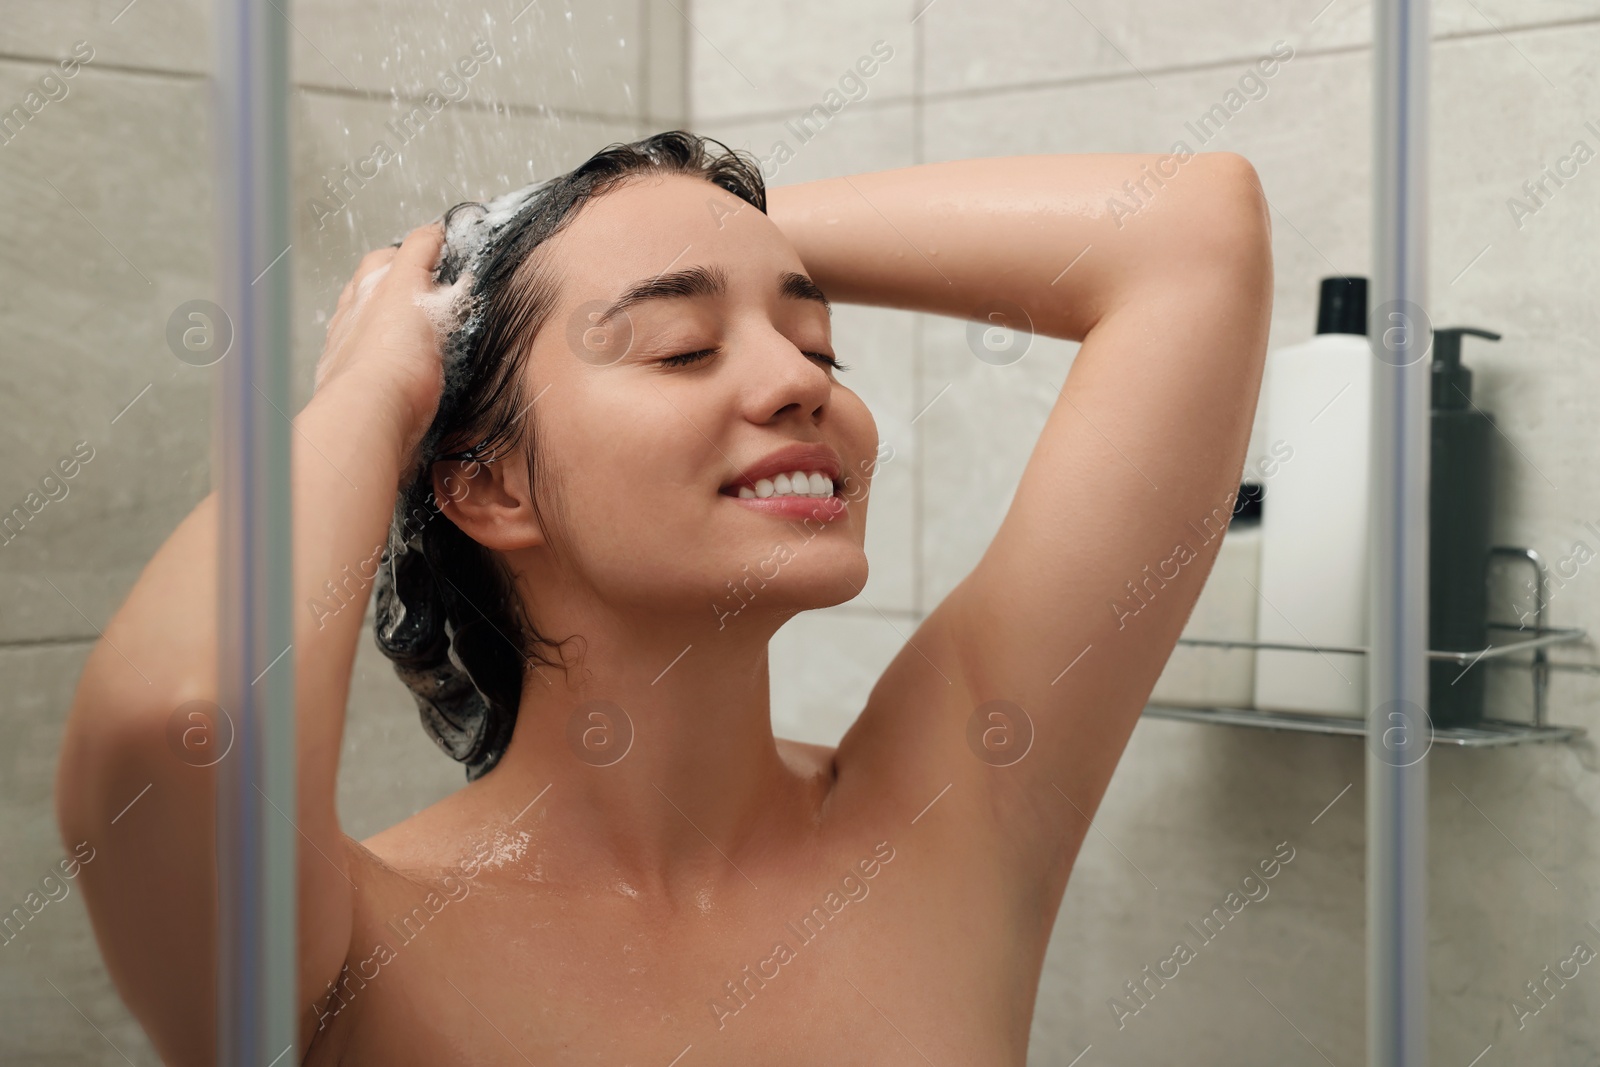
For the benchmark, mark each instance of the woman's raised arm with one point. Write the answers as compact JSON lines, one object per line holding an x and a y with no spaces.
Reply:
{"x":129,"y":755}
{"x":1162,"y":267}
{"x":1063,"y":236}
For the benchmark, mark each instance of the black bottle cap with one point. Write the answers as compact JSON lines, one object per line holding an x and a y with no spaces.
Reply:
{"x":1247,"y":505}
{"x":1342,"y":306}
{"x":1452,"y":383}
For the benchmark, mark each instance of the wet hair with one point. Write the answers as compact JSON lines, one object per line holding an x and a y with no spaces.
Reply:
{"x":447,"y":612}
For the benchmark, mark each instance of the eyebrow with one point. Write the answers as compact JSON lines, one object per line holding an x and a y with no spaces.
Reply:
{"x":707,"y":281}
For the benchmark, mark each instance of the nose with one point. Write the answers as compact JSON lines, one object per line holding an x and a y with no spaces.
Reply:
{"x":785,"y":382}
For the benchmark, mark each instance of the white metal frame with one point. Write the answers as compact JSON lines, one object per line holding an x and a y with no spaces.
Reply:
{"x":255,"y":783}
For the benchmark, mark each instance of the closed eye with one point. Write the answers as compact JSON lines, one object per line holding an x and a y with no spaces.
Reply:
{"x":687,"y":357}
{"x":831,"y":361}
{"x":694,"y":357}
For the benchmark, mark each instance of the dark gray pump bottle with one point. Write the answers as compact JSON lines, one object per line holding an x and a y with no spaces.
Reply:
{"x":1460,"y":515}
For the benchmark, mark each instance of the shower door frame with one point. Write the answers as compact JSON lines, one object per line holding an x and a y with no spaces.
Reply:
{"x":1399,"y":732}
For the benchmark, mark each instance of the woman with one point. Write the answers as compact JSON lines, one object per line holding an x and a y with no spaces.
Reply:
{"x":605,"y":435}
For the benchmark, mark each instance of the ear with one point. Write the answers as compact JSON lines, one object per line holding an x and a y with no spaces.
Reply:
{"x":490,"y":502}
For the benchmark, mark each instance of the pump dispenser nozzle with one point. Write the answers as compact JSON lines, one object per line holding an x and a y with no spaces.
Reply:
{"x":1452,"y":383}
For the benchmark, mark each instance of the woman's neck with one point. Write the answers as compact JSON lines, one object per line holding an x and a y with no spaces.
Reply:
{"x":657,"y":763}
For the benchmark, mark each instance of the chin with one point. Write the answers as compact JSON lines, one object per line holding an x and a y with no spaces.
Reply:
{"x":842,"y":583}
{"x":788,"y":581}
{"x":832,"y":577}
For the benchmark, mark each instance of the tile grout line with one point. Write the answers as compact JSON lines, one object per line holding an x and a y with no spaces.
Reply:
{"x":684,"y":44}
{"x":46,"y":642}
{"x":492,"y":106}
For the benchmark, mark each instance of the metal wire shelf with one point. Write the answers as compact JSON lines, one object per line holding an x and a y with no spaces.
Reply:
{"x":1481,"y":734}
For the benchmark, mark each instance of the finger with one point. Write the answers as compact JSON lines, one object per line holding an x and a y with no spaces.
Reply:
{"x":347,"y":299}
{"x":370,"y":262}
{"x":419,"y":252}
{"x":368,"y":282}
{"x":337,"y":321}
{"x":374,"y":260}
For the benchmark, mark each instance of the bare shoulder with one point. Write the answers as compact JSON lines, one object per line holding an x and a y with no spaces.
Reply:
{"x":427,"y":839}
{"x":386,"y":871}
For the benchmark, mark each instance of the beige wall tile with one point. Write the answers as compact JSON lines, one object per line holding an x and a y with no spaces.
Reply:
{"x":666,"y":48}
{"x":171,"y":37}
{"x":1498,"y":125}
{"x":110,"y":234}
{"x":1033,"y":42}
{"x":574,"y":55}
{"x":864,"y":136}
{"x":583,"y":56}
{"x":752,"y":59}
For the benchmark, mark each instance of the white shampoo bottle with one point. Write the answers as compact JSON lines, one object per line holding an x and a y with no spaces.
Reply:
{"x":1314,"y":555}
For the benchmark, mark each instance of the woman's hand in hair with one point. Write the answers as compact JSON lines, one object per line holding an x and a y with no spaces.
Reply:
{"x":382,"y":339}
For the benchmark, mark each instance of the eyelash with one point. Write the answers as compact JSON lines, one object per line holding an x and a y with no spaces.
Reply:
{"x":692,"y":357}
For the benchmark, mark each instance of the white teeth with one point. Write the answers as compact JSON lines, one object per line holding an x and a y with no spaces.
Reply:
{"x":797,"y":483}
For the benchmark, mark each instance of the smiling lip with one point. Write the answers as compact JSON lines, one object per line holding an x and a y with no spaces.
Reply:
{"x":796,"y":457}
{"x":818,"y":508}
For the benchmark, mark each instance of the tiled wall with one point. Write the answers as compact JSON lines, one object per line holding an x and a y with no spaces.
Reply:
{"x":1515,"y":868}
{"x":108,"y":197}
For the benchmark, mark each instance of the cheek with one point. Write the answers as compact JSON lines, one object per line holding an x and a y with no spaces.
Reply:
{"x":624,"y":467}
{"x":860,"y":436}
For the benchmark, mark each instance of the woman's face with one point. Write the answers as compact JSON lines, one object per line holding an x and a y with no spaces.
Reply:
{"x":638,"y":454}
